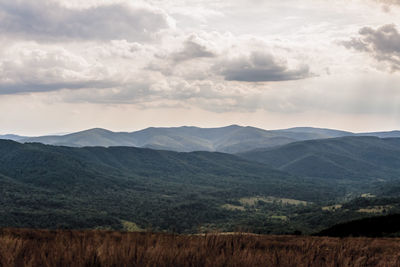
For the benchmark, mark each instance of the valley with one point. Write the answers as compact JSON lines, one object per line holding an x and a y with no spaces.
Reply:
{"x":302,"y":187}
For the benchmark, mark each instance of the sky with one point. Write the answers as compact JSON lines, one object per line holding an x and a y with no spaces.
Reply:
{"x":124,"y":65}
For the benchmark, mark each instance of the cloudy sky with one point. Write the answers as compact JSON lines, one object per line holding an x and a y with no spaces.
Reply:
{"x":69,"y":65}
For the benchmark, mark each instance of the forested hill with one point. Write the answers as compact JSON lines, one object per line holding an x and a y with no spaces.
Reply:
{"x":379,"y":226}
{"x":347,"y":158}
{"x":48,"y":187}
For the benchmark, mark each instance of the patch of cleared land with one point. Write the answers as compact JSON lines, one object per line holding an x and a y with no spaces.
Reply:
{"x":376,"y":209}
{"x":332,"y":207}
{"x":130,"y":226}
{"x":368,"y":195}
{"x":251,"y":201}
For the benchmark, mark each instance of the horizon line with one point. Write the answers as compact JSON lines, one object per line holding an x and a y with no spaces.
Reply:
{"x":192,"y":126}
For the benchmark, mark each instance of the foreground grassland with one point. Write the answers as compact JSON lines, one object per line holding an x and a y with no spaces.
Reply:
{"x":19,"y":247}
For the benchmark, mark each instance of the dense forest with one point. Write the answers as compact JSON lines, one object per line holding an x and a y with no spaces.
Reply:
{"x":128,"y":188}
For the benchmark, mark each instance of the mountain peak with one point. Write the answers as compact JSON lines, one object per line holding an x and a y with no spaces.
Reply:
{"x":95,"y":130}
{"x":233,"y":126}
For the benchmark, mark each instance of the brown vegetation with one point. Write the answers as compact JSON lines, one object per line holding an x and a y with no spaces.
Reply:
{"x":19,"y":247}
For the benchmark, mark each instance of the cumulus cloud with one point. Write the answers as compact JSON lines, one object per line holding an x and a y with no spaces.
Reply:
{"x":152,"y":92}
{"x":188,"y":56}
{"x":193,"y":48}
{"x":114,"y":65}
{"x":49,"y":20}
{"x":260,"y":67}
{"x":382,"y":43}
{"x":32,"y":68}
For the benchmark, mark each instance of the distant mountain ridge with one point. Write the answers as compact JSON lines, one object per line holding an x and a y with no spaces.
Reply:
{"x":12,"y":137}
{"x":389,"y":134}
{"x":229,"y":139}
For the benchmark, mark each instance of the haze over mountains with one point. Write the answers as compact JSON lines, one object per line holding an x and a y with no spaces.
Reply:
{"x":13,"y":137}
{"x":230,"y":139}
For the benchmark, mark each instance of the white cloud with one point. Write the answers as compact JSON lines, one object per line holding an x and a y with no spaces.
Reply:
{"x":260,"y":66}
{"x":49,"y":20}
{"x":193,"y":47}
{"x":29,"y":67}
{"x":389,"y":2}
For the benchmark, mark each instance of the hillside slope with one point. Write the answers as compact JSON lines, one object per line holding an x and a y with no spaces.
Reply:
{"x":378,"y":226}
{"x":350,"y":158}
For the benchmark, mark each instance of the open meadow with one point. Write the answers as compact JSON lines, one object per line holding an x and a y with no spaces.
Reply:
{"x":23,"y":247}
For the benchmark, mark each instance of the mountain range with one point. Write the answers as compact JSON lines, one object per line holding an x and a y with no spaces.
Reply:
{"x":275,"y":190}
{"x":230,"y":139}
{"x":281,"y":181}
{"x":53,"y":186}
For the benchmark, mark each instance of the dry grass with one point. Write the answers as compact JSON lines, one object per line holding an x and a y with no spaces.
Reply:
{"x":19,"y":247}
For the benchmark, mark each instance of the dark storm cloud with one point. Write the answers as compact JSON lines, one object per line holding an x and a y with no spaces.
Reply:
{"x":43,"y":19}
{"x":382,"y":43}
{"x":260,"y":67}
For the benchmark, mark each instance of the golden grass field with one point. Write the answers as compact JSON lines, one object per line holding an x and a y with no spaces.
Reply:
{"x":23,"y":247}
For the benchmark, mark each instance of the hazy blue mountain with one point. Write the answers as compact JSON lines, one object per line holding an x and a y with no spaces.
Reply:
{"x":12,"y":137}
{"x":230,"y":139}
{"x":306,"y":133}
{"x":225,"y":139}
{"x":391,"y":134}
{"x":92,"y":137}
{"x":340,"y":158}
